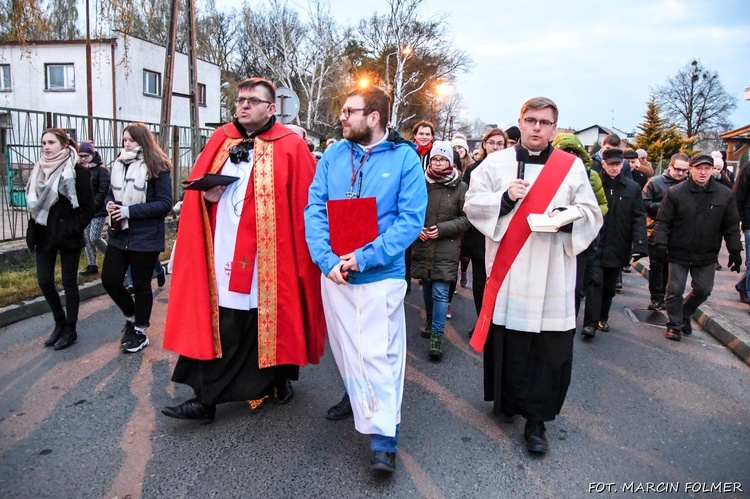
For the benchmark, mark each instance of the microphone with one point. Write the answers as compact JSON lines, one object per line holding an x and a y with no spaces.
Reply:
{"x":521,"y":170}
{"x":521,"y":156}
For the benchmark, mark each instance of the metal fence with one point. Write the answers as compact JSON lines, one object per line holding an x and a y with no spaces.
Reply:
{"x":20,"y":137}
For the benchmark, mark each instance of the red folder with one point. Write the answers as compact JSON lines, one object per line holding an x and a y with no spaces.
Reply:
{"x":352,"y":223}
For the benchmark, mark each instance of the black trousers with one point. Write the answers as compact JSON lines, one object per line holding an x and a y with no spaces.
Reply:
{"x":600,"y":290}
{"x":45,"y":275}
{"x":657,"y":275}
{"x":116,"y":263}
{"x":478,"y":280}
{"x":527,"y":373}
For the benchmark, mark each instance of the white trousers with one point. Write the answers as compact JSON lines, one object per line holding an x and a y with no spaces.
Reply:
{"x":367,"y":335}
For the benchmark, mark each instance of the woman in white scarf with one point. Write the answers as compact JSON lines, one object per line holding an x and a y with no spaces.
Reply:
{"x":61,"y":204}
{"x":139,"y":199}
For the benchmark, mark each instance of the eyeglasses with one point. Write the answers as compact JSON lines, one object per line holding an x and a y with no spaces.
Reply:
{"x":492,"y":143}
{"x":84,"y":155}
{"x":681,"y":171}
{"x":253,"y":101}
{"x":542,"y":123}
{"x":439,"y":160}
{"x":347,"y":111}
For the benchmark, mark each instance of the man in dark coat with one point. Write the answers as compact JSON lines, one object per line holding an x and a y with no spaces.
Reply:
{"x":624,"y":228}
{"x":692,"y":219}
{"x":742,"y":196}
{"x":653,"y":193}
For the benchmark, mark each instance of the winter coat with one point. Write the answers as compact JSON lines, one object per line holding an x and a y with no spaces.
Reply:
{"x":473,"y":240}
{"x":742,"y":195}
{"x":624,"y":229}
{"x":146,"y":222}
{"x":653,"y":194}
{"x":692,"y":221}
{"x":437,"y":259}
{"x":65,"y":224}
{"x":100,"y":186}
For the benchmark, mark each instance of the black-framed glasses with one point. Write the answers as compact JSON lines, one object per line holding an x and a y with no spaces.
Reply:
{"x":680,"y":170}
{"x":439,"y":160}
{"x":347,"y":111}
{"x":542,"y":123}
{"x":253,"y":101}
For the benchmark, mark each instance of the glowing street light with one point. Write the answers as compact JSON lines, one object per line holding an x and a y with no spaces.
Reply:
{"x":364,"y":82}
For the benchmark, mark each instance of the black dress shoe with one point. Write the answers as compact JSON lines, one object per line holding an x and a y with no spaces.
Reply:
{"x":284,"y":393}
{"x":191,"y":409}
{"x":673,"y":334}
{"x":341,"y":410}
{"x":588,"y":332}
{"x":68,"y":337}
{"x":55,"y":335}
{"x":603,"y":326}
{"x":383,"y":461}
{"x":536,"y":442}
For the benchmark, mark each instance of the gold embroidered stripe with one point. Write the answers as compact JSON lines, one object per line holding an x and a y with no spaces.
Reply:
{"x":265,"y":221}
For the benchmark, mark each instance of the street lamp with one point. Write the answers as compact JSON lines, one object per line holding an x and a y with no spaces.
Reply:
{"x":364,"y":82}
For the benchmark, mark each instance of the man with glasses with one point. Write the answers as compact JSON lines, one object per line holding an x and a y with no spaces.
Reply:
{"x":692,"y":220}
{"x":363,"y":289}
{"x":526,"y":325}
{"x":245,"y":310}
{"x":653,"y":193}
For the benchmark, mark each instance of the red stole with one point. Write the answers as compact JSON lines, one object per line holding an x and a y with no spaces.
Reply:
{"x":536,"y":201}
{"x":246,"y":244}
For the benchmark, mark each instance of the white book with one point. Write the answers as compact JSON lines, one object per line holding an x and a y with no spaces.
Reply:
{"x":541,"y":222}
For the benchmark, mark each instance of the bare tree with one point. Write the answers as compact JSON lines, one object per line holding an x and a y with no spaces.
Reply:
{"x":63,"y":15}
{"x":695,"y":101}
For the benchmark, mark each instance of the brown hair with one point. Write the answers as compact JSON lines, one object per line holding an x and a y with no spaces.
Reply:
{"x":678,"y":157}
{"x":492,"y":132}
{"x":539,"y":103}
{"x":421,"y":124}
{"x":155,"y":159}
{"x":62,"y":136}
{"x":376,"y":101}
{"x":251,"y":83}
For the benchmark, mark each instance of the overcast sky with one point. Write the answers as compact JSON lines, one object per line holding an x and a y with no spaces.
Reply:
{"x":597,"y":60}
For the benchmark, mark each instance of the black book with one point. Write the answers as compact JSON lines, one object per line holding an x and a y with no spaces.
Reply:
{"x":208,"y":181}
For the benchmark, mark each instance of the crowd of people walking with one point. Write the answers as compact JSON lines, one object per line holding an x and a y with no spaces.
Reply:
{"x":277,"y":248}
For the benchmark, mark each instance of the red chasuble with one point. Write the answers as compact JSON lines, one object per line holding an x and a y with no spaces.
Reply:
{"x":291,"y":325}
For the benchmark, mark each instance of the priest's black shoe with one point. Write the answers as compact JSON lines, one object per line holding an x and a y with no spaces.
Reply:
{"x":383,"y":461}
{"x":69,"y":336}
{"x":588,"y":332}
{"x":191,"y":409}
{"x":536,"y":442}
{"x":284,"y":392}
{"x":341,"y":410}
{"x":55,"y":335}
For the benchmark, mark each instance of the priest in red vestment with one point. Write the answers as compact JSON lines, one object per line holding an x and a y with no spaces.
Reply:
{"x":245,"y":310}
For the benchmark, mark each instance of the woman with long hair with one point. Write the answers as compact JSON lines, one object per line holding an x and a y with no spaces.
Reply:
{"x":61,"y":204}
{"x":139,"y":199}
{"x":462,"y":148}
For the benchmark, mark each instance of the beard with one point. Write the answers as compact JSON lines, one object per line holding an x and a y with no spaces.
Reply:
{"x":362,"y":136}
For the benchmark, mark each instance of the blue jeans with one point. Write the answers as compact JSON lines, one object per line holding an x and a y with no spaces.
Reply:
{"x":436,"y":300}
{"x":382,"y":443}
{"x":744,"y":283}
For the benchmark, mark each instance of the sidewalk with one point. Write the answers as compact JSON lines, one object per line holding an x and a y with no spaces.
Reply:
{"x":722,"y":316}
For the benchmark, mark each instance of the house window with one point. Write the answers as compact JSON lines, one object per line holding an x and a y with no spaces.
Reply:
{"x":201,"y":94}
{"x":4,"y":77}
{"x":151,"y":83}
{"x":60,"y":77}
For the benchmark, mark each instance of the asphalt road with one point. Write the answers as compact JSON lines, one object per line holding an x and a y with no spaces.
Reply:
{"x":641,"y":412}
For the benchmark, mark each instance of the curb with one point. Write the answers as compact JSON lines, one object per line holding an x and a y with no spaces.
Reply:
{"x":31,"y":308}
{"x":718,"y":326}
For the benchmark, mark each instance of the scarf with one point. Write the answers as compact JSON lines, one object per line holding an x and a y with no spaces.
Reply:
{"x":51,"y":176}
{"x":128,"y":179}
{"x":424,"y":150}
{"x":438,"y":177}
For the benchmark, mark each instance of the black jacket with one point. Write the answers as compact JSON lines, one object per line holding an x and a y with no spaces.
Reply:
{"x":100,"y":186}
{"x":146,"y":223}
{"x":437,"y":259}
{"x":473,"y":243}
{"x":653,"y":193}
{"x":624,"y":229}
{"x":65,"y":224}
{"x":742,"y":195}
{"x":693,"y":219}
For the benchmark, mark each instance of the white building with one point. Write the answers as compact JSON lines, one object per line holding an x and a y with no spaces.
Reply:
{"x":127,"y":79}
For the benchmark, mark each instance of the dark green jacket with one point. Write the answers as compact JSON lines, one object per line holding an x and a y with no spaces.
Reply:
{"x":437,"y":259}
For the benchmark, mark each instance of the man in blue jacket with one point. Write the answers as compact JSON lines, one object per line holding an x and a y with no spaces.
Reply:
{"x":363,"y":290}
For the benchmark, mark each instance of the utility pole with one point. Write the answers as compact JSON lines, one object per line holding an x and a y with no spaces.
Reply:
{"x":89,"y":84}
